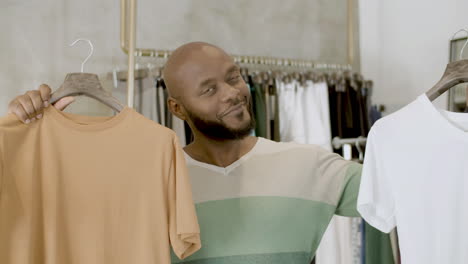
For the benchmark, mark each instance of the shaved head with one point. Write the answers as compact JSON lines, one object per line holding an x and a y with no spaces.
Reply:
{"x":187,"y":58}
{"x":206,"y":89}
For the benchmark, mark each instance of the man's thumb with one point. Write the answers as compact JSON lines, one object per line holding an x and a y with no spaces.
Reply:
{"x":64,"y":102}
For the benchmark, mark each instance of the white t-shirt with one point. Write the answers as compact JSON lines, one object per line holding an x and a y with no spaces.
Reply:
{"x":415,"y":176}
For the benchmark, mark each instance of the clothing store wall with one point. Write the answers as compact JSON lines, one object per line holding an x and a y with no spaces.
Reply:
{"x":404,"y":46}
{"x":34,"y":47}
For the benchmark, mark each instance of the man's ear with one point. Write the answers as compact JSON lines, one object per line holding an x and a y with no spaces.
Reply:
{"x":175,"y":108}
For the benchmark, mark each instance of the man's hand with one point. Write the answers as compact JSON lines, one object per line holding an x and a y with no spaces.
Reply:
{"x":30,"y":106}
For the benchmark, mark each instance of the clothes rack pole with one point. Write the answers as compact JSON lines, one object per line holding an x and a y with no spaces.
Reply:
{"x":338,"y":142}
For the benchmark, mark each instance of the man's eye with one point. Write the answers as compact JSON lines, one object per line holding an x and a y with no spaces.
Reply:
{"x":235,"y":78}
{"x":209,"y":90}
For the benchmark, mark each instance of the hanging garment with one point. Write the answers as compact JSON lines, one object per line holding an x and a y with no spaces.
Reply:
{"x":274,"y":113}
{"x":418,"y":180}
{"x":78,"y":189}
{"x":257,"y":210}
{"x":154,"y":104}
{"x":144,"y":97}
{"x":251,"y":86}
{"x":395,"y":246}
{"x":268,"y":112}
{"x":316,"y":114}
{"x":168,"y":113}
{"x":378,"y":247}
{"x":252,"y":101}
{"x":333,"y":104}
{"x":162,"y":104}
{"x":291,"y":112}
{"x":259,"y":110}
{"x":341,"y":243}
{"x":159,"y":110}
{"x":352,"y":104}
{"x":345,"y":111}
{"x":144,"y":101}
{"x":362,"y":100}
{"x":374,"y":114}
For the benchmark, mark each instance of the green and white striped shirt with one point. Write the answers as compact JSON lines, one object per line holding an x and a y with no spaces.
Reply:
{"x":273,"y":205}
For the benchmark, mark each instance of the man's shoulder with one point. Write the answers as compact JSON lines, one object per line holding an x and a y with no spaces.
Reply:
{"x":270,"y":147}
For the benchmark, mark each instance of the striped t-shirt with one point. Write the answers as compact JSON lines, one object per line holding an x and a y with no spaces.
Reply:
{"x":271,"y":206}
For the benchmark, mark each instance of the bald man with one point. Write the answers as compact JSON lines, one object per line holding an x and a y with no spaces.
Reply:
{"x":257,"y":201}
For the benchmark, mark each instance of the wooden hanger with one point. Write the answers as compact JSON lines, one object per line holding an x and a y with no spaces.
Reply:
{"x":455,"y":73}
{"x":87,"y":84}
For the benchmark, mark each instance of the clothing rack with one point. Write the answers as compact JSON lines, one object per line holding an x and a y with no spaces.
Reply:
{"x":338,"y":142}
{"x":256,"y":60}
{"x":128,"y":45}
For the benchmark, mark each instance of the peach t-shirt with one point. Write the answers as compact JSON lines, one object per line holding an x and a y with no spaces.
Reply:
{"x":93,"y":190}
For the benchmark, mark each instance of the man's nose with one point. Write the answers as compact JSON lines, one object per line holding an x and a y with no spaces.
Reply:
{"x":230,"y":93}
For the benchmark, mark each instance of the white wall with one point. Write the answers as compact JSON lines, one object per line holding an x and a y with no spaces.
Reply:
{"x":35,"y":34}
{"x":404,"y":45}
{"x":35,"y":37}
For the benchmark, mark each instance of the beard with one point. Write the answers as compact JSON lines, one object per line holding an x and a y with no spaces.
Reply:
{"x":218,"y":130}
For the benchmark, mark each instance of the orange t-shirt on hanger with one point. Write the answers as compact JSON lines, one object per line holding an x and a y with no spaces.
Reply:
{"x":93,"y":190}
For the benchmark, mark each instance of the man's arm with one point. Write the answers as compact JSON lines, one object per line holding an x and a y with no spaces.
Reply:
{"x":341,"y":179}
{"x":29,"y":106}
{"x":347,"y":205}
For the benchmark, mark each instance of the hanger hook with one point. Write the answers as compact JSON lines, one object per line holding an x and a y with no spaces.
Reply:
{"x":463,"y":48}
{"x":359,"y":148}
{"x":464,"y":45}
{"x":90,"y":53}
